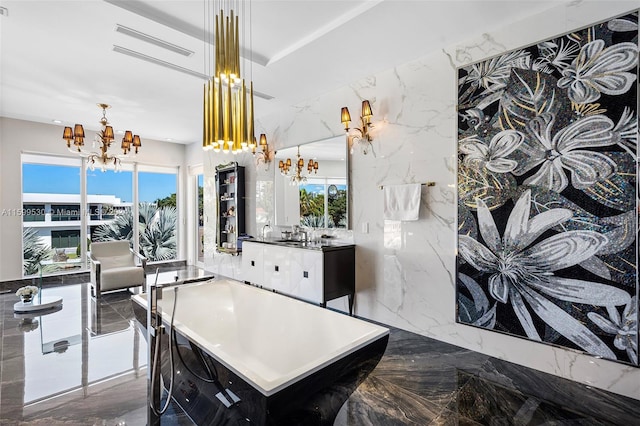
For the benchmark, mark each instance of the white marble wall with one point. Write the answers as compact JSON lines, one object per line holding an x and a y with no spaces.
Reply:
{"x":406,"y":270}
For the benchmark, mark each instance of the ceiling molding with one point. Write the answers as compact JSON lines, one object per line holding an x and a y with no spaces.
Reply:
{"x":141,"y":9}
{"x":330,"y":26}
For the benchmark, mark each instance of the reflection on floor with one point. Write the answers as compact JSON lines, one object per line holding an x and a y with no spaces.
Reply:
{"x":85,"y":364}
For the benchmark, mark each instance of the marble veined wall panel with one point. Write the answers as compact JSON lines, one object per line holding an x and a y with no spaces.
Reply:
{"x":406,"y":270}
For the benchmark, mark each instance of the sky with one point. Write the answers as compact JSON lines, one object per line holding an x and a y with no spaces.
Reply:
{"x":39,"y":178}
{"x":317,"y":188}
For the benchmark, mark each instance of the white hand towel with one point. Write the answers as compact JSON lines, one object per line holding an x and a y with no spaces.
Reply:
{"x":402,"y":202}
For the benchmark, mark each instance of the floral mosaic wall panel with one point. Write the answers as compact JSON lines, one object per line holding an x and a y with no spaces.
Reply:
{"x":547,"y":191}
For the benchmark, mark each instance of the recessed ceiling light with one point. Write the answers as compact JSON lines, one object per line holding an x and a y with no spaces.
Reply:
{"x":168,"y":139}
{"x":57,"y":121}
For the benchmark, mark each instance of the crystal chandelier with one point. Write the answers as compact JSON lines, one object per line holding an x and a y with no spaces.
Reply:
{"x":104,"y":137}
{"x":228,"y":123}
{"x":297,"y":178}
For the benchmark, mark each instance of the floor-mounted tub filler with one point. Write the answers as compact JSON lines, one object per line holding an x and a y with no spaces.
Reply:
{"x":248,"y":355}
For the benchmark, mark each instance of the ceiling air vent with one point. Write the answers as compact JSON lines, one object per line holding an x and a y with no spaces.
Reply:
{"x":153,"y":40}
{"x":175,"y":67}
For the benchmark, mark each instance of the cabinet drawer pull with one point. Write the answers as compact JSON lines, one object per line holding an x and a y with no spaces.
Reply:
{"x":305,"y":274}
{"x":253,"y":263}
{"x":277,"y":268}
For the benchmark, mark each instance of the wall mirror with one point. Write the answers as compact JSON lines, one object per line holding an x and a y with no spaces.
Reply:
{"x":321,"y":199}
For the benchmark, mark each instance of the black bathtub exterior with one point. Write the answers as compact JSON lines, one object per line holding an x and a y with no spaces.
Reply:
{"x":312,"y":401}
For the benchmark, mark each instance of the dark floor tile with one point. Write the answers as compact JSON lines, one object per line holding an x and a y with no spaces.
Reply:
{"x":419,"y":381}
{"x":378,"y":402}
{"x":562,"y":392}
{"x":453,"y":418}
{"x":485,"y":402}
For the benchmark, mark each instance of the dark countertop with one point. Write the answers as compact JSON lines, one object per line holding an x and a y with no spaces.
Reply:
{"x":324,"y":245}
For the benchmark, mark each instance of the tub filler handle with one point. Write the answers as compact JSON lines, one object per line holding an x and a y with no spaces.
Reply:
{"x":225,"y":401}
{"x":155,"y":330}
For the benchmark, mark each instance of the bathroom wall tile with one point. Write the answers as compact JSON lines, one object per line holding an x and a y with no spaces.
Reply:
{"x":405,"y":272}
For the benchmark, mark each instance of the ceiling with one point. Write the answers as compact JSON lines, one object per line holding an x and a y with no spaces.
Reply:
{"x":60,"y":58}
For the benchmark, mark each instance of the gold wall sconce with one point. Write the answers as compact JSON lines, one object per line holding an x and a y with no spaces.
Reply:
{"x":363,"y":136}
{"x":264,"y":156}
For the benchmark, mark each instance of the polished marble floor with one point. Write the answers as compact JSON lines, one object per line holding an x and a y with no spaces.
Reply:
{"x":85,"y":364}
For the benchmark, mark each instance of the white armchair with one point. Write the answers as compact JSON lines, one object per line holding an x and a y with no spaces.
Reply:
{"x":114,"y":267}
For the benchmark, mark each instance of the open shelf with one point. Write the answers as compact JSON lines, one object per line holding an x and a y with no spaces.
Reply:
{"x":230,"y":206}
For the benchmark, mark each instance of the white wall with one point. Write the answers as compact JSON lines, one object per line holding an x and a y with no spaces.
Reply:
{"x":406,"y":270}
{"x":18,"y":136}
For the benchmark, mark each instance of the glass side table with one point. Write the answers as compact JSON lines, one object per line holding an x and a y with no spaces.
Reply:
{"x":41,"y":302}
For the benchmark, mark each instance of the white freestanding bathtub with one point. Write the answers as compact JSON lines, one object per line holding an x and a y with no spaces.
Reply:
{"x":268,"y":340}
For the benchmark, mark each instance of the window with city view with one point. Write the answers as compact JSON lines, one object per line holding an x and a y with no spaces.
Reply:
{"x":52,"y":214}
{"x":110,"y":200}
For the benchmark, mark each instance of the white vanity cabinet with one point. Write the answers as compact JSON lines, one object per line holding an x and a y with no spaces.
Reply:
{"x":305,"y":275}
{"x":314,"y":274}
{"x":276,"y":267}
{"x":252,"y":262}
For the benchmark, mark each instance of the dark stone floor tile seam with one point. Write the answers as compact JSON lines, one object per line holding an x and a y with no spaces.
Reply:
{"x":553,"y":396}
{"x":449,"y":417}
{"x":402,"y":400}
{"x":513,"y":403}
{"x":410,"y":392}
{"x":437,"y":397}
{"x":125,"y":312}
{"x":426,"y":345}
{"x":440,"y":389}
{"x":75,"y":403}
{"x":434,"y":360}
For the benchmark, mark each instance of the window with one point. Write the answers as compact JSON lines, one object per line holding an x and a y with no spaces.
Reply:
{"x":158,"y":213}
{"x":65,"y":239}
{"x":53,"y":210}
{"x":33,"y":212}
{"x":323,"y":203}
{"x":65,"y":212}
{"x":200,"y":210}
{"x":110,"y":199}
{"x":51,"y":219}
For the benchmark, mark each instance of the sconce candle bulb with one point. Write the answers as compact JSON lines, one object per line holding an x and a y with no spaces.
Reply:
{"x":361,"y":135}
{"x":265,"y":156}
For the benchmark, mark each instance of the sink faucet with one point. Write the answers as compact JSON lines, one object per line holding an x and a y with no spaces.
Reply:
{"x":266,"y":225}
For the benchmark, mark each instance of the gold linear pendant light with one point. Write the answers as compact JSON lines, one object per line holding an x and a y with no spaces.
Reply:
{"x":228,"y":106}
